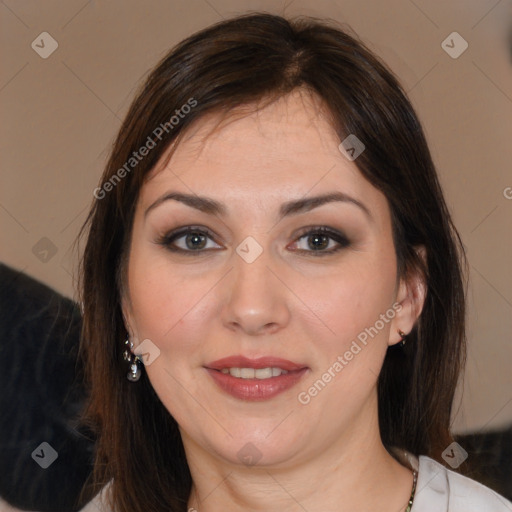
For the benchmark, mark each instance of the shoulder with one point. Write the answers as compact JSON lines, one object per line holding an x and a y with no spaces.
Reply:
{"x":99,"y":503}
{"x":440,"y":489}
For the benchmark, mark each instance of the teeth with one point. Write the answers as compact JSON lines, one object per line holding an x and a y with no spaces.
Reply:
{"x":252,"y":373}
{"x":246,"y":373}
{"x":235,"y":372}
{"x":263,"y":373}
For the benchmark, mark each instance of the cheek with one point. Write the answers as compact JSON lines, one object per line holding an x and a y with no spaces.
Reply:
{"x":351,"y":354}
{"x":169,"y":309}
{"x":153,"y":297}
{"x":352,"y":298}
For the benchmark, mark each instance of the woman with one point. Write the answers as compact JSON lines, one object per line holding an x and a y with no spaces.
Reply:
{"x":273,"y":288}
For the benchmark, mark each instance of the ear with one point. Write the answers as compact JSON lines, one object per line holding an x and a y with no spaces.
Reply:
{"x":411,"y":294}
{"x":129,"y":322}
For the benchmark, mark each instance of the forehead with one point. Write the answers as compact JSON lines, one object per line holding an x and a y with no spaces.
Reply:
{"x":287,"y":149}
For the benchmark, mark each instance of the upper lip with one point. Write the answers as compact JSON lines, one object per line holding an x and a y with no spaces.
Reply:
{"x":260,"y":362}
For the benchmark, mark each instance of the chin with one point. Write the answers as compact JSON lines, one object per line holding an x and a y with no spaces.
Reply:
{"x":257,"y":451}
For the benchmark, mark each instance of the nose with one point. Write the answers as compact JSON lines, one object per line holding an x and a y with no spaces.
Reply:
{"x":256,"y":299}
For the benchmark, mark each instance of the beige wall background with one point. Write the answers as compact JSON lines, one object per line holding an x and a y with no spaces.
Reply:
{"x":60,"y":115}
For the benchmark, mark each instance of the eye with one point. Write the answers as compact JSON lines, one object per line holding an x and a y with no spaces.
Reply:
{"x":195,"y":239}
{"x":319,"y":239}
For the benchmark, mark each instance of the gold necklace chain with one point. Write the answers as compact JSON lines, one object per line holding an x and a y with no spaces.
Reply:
{"x":411,"y":499}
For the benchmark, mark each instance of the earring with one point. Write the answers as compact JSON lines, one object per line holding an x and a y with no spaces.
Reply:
{"x":135,"y":371}
{"x":403,"y":336}
{"x":134,"y":360}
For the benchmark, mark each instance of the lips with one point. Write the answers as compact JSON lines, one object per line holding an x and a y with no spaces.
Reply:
{"x":255,"y":389}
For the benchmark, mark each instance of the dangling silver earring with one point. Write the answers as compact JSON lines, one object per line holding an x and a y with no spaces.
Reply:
{"x":403,"y":336}
{"x":134,"y":360}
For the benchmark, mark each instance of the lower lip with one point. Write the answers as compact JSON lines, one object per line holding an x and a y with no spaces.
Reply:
{"x":256,"y":389}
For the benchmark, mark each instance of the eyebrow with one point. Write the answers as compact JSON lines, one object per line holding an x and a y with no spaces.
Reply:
{"x":213,"y":207}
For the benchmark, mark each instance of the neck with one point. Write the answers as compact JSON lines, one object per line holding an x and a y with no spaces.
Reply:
{"x":355,"y":473}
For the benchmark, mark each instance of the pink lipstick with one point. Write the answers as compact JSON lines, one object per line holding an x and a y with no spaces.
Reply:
{"x":255,"y":379}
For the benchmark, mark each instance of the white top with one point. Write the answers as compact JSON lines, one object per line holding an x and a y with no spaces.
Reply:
{"x":438,"y":489}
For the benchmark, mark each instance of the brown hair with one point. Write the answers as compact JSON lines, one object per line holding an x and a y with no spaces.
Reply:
{"x":239,"y":62}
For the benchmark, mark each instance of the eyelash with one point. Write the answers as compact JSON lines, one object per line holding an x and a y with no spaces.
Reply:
{"x":168,"y":239}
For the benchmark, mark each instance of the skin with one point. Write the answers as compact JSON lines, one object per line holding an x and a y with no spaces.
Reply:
{"x":328,"y":454}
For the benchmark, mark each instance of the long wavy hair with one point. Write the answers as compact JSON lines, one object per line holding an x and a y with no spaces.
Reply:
{"x":255,"y":59}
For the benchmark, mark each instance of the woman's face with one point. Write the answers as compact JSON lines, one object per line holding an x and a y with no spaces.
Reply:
{"x":250,"y":282}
